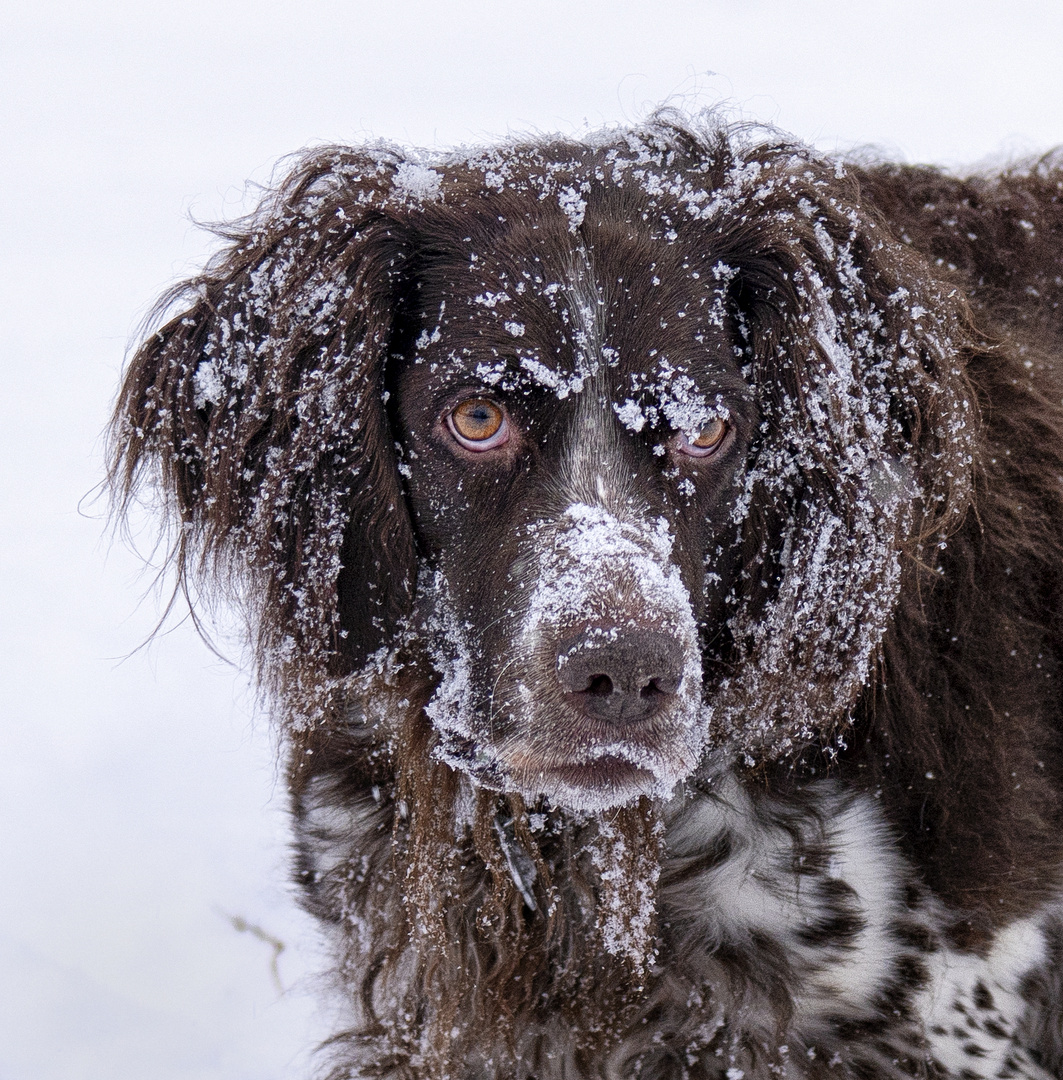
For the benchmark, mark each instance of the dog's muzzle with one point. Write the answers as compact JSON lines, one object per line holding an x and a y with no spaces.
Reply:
{"x":607,"y":666}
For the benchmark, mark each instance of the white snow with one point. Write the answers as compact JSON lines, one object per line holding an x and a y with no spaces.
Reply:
{"x":208,"y":384}
{"x":417,"y":182}
{"x":574,"y":207}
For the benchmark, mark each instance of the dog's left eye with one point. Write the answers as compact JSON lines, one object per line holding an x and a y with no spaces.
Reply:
{"x":709,"y":439}
{"x":478,"y":424}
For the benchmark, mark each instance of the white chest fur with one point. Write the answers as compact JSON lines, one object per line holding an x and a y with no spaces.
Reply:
{"x":817,"y":881}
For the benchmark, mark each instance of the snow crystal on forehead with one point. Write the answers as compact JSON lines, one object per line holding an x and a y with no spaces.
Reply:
{"x":685,"y":408}
{"x":561,"y":384}
{"x":574,"y":206}
{"x":630,"y":414}
{"x":416,"y":182}
{"x":673,"y":399}
{"x":492,"y":373}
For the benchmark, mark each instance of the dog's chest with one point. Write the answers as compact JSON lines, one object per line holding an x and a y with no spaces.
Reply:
{"x":813,"y":895}
{"x":794,"y":923}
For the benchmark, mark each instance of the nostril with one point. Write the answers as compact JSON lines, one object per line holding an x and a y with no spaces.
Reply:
{"x":600,"y":686}
{"x":660,"y":686}
{"x":651,"y":690}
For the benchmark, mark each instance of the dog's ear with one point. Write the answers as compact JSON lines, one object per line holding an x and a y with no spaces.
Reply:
{"x":258,"y":411}
{"x":863,"y":463}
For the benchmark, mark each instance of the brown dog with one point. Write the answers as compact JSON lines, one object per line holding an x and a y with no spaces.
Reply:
{"x":655,"y":548}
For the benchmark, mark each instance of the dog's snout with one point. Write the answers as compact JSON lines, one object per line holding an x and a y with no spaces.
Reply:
{"x":621,"y":676}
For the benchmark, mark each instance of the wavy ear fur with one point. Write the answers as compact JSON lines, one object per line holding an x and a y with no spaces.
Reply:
{"x":258,"y":411}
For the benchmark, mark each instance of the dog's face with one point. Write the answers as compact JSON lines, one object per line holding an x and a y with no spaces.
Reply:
{"x":573,"y":427}
{"x":628,"y":441}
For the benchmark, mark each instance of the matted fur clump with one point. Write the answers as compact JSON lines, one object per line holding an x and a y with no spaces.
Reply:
{"x":653,"y":546}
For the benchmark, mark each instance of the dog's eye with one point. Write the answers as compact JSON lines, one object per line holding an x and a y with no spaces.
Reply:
{"x":478,"y":424}
{"x":708,"y":441}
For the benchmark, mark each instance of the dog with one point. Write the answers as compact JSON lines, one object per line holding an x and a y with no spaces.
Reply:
{"x":653,"y":547}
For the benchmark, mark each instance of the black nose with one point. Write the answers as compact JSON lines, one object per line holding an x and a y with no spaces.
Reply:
{"x":621,"y":676}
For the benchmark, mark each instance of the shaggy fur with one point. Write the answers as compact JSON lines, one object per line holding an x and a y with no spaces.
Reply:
{"x":701,"y":719}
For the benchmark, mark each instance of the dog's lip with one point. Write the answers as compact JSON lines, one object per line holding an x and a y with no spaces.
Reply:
{"x":592,"y":773}
{"x":595,"y":743}
{"x":563,"y":781}
{"x":589,"y":754}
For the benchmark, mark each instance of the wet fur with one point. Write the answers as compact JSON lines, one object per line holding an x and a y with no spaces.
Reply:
{"x":877,"y":805}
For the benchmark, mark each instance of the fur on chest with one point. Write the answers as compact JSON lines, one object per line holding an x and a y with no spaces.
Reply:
{"x":778,"y":937}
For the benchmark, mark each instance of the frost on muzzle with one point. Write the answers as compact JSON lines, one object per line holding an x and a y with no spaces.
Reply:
{"x":600,"y":701}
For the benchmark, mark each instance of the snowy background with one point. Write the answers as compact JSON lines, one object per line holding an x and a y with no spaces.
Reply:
{"x":141,"y":818}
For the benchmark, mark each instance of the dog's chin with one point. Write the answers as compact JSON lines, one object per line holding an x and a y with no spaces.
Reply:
{"x":603,"y":782}
{"x":572,"y":762}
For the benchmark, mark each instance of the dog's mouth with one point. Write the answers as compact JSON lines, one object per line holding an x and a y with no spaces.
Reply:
{"x":598,"y":773}
{"x":606,"y":770}
{"x":580,"y":767}
{"x":601,"y":784}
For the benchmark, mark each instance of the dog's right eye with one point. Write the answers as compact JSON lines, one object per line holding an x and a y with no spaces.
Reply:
{"x":478,"y":424}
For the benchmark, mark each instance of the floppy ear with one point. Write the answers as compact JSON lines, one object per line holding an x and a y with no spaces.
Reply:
{"x":258,"y":411}
{"x":857,"y":358}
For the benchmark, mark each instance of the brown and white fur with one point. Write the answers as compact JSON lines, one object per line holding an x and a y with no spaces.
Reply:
{"x":698,"y":713}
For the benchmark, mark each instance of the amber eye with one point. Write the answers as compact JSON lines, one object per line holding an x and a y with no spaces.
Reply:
{"x":478,"y":424}
{"x":708,"y":441}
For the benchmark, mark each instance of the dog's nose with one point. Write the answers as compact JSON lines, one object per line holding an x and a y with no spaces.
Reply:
{"x":621,"y":676}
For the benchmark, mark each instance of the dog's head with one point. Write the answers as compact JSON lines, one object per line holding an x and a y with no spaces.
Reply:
{"x":629,"y":439}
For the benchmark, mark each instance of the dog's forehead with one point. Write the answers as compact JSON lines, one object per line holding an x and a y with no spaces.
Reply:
{"x":537,"y":308}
